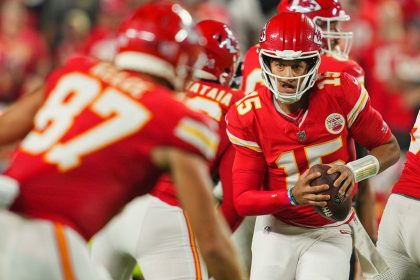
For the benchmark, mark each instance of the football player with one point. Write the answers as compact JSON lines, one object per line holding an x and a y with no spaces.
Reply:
{"x":398,"y":230}
{"x":336,"y":44}
{"x":167,"y":249}
{"x":280,"y":130}
{"x":327,"y":14}
{"x":102,"y":135}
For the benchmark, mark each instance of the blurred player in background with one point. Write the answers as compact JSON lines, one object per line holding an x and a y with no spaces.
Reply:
{"x":154,"y":230}
{"x":101,"y":137}
{"x":327,"y":14}
{"x":400,"y":223}
{"x":280,"y":131}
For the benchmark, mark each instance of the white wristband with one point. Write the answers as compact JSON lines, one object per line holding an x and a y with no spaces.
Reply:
{"x":364,"y":168}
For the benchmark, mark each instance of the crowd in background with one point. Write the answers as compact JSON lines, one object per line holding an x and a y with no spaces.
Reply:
{"x":37,"y":35}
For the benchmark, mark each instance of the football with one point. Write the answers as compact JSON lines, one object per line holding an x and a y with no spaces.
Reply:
{"x":338,"y":206}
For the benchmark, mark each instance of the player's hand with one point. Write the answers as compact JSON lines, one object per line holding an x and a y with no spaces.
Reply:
{"x":346,"y":178}
{"x":305,"y":194}
{"x":9,"y":190}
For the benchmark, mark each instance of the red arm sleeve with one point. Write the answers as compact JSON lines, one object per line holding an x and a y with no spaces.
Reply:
{"x":248,"y":177}
{"x":225,"y":173}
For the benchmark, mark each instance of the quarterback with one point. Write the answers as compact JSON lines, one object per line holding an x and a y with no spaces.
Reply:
{"x":280,"y":130}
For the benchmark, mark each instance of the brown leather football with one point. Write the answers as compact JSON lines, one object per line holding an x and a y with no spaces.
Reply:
{"x":338,"y":207}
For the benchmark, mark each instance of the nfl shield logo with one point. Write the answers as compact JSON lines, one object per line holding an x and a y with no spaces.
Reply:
{"x":301,"y":135}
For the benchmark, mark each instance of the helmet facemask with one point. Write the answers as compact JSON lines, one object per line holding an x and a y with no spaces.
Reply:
{"x":304,"y":82}
{"x":331,"y":36}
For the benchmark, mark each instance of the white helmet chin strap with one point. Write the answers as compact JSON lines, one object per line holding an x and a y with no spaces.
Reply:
{"x":304,"y":82}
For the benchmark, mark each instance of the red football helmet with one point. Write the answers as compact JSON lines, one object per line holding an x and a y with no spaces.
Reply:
{"x":222,"y":50}
{"x":323,"y":13}
{"x":160,"y":39}
{"x":279,"y":41}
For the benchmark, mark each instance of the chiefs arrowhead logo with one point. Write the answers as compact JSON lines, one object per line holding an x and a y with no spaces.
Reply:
{"x":305,"y":6}
{"x":334,"y":123}
{"x":229,"y":45}
{"x":318,"y":35}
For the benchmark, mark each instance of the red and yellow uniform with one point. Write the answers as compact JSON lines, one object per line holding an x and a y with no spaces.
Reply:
{"x":214,"y":100}
{"x":89,"y":152}
{"x":400,"y":223}
{"x":283,"y":147}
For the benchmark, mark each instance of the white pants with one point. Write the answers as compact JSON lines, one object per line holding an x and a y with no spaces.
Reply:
{"x":242,"y":238}
{"x":281,"y":251}
{"x":41,"y":250}
{"x":399,"y":236}
{"x":154,"y":233}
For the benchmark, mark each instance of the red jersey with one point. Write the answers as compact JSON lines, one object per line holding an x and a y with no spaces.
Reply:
{"x":383,"y":62}
{"x":408,"y":184}
{"x":339,"y":110}
{"x":251,"y":72}
{"x":331,"y":63}
{"x":214,"y":100}
{"x":89,"y":151}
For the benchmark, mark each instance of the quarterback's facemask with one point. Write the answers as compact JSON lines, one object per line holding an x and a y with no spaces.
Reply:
{"x":279,"y":41}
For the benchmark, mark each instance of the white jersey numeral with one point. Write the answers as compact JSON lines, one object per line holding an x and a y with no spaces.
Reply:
{"x":209,"y":107}
{"x":253,"y":80}
{"x":248,"y":102}
{"x":287,"y":160}
{"x":73,"y":94}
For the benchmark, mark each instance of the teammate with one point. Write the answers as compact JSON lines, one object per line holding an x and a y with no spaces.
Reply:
{"x":398,"y":230}
{"x":102,"y":137}
{"x":284,"y":128}
{"x":167,"y":249}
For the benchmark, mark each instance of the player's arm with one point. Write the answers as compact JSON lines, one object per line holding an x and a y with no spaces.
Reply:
{"x":193,"y":183}
{"x":369,"y":130}
{"x":387,"y":154}
{"x":15,"y":123}
{"x":17,"y":120}
{"x":365,"y":201}
{"x":365,"y":207}
{"x":379,"y":159}
{"x":249,"y":167}
{"x":225,"y":174}
{"x":251,"y":200}
{"x":365,"y":198}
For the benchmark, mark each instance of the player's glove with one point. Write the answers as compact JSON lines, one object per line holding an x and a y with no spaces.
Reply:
{"x":9,"y":190}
